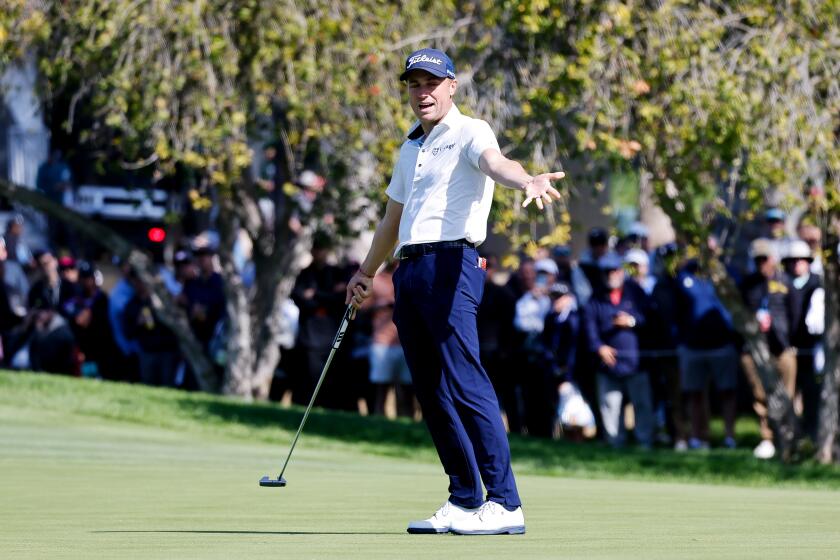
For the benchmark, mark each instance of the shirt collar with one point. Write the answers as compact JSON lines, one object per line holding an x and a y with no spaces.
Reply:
{"x":800,"y":281}
{"x":448,"y":121}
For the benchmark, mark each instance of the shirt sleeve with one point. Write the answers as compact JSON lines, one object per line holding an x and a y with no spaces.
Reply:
{"x":478,"y":137}
{"x":396,"y":188}
{"x":815,"y":318}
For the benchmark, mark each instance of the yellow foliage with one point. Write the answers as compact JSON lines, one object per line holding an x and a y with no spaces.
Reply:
{"x":510,"y":261}
{"x":290,"y":189}
{"x":531,"y":248}
{"x":162,"y":148}
{"x":559,"y":236}
{"x":242,"y":160}
{"x":238,"y":118}
{"x":219,"y":177}
{"x":526,"y":109}
{"x":194,"y":159}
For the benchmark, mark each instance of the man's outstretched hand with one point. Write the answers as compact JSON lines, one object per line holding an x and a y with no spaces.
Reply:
{"x":539,"y":189}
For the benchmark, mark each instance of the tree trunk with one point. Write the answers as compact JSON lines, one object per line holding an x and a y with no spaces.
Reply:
{"x":239,"y":363}
{"x":828,"y":427}
{"x":254,"y":314}
{"x":162,"y":302}
{"x":781,"y":414}
{"x":271,"y":324}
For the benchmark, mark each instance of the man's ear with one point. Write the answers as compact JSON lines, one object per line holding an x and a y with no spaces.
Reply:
{"x":453,"y":85}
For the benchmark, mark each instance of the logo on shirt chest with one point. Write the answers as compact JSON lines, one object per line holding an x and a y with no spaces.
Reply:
{"x":439,"y":149}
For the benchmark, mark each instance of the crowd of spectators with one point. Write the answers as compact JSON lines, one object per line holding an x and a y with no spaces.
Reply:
{"x":629,"y":324}
{"x":56,"y":316}
{"x":627,"y":337}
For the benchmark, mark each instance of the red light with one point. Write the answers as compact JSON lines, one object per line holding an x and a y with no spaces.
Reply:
{"x":156,"y":235}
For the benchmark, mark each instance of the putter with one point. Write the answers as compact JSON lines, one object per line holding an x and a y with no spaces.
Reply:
{"x":279,"y":482}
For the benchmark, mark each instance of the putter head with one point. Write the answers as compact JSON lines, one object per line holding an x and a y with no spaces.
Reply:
{"x":272,"y":482}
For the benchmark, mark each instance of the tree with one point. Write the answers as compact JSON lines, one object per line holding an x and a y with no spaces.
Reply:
{"x":186,"y":84}
{"x":710,"y":102}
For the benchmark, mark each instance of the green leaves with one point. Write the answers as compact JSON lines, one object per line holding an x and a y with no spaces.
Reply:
{"x":686,"y":90}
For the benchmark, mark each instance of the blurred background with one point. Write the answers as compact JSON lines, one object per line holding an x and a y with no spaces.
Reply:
{"x":188,"y":186}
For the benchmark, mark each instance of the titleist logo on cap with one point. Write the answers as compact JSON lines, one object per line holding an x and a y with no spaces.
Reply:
{"x":423,"y":58}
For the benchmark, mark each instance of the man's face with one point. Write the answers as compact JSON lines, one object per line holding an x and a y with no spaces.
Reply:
{"x":637,"y":270}
{"x":797,"y":267}
{"x":811,"y":235}
{"x":528,"y":275}
{"x":599,"y":250}
{"x":319,"y":255}
{"x":615,"y":278}
{"x":205,"y":263}
{"x":186,"y":270}
{"x":430,"y":97}
{"x":544,"y":281}
{"x":88,"y":284}
{"x":48,"y":263}
{"x":70,"y":274}
{"x":766,"y":266}
{"x":777,"y":228}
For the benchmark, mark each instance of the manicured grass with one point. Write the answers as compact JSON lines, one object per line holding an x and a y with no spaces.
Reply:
{"x":219,"y":417}
{"x":93,"y":470}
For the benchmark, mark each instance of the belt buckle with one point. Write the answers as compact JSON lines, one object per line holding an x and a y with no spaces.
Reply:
{"x":404,"y":253}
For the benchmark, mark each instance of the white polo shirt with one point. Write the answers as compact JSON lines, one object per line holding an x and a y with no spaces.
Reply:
{"x":445,"y":196}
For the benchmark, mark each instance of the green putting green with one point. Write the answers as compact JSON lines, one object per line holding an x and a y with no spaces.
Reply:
{"x":82,"y":480}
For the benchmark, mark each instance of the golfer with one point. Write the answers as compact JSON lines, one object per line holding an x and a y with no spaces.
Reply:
{"x":439,"y":201}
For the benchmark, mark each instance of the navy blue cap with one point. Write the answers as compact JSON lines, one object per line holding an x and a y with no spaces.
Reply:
{"x":598,"y":236}
{"x":667,"y":249}
{"x":561,"y":251}
{"x":86,"y":270}
{"x":433,"y":61}
{"x":774,"y":214}
{"x":610,"y":261}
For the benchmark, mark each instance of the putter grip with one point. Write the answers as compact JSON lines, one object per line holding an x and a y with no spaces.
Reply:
{"x":339,"y":336}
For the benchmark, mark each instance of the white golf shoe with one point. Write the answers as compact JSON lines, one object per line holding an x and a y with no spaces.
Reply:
{"x":442,"y":520}
{"x":491,"y":519}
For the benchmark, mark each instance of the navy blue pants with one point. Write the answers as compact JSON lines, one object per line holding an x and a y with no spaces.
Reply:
{"x":437,"y":297}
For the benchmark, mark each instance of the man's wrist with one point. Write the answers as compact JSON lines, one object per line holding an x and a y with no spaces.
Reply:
{"x":365,"y":274}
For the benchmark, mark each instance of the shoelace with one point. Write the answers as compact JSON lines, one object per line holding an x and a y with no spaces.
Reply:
{"x":443,"y":511}
{"x":488,"y":508}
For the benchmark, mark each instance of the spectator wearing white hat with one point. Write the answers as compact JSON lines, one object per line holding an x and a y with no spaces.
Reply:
{"x":638,"y":264}
{"x":806,"y":297}
{"x":535,"y":304}
{"x":636,"y":238}
{"x":767,"y":294}
{"x":653,"y":341}
{"x":529,"y":322}
{"x":811,"y":234}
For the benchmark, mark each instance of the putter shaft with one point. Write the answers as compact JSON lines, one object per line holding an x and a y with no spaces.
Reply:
{"x":345,"y":321}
